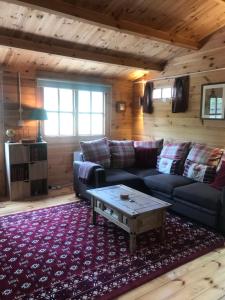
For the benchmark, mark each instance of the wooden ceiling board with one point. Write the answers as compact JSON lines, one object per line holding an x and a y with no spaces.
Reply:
{"x":29,"y":61}
{"x":181,"y":17}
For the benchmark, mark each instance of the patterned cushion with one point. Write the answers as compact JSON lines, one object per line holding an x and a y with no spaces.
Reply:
{"x":167,"y":166}
{"x":174,"y":150}
{"x":96,"y":151}
{"x":199,"y":172}
{"x":221,"y":161}
{"x":205,"y":155}
{"x":146,"y":157}
{"x":123,"y":154}
{"x":149,"y":144}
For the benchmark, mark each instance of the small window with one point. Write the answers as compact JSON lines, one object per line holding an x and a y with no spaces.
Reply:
{"x":157,"y":94}
{"x":166,"y":93}
{"x":162,"y":93}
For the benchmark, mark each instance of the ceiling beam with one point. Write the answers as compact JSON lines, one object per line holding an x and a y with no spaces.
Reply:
{"x":71,"y":50}
{"x":73,"y":11}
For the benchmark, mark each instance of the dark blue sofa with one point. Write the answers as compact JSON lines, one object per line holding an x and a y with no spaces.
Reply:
{"x":198,"y":201}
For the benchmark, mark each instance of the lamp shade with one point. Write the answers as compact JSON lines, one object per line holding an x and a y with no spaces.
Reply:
{"x":38,"y":114}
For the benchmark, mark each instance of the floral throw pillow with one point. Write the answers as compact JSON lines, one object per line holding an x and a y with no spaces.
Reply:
{"x":199,"y":172}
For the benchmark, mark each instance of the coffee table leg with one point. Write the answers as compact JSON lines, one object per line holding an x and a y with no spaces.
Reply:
{"x":132,"y":242}
{"x":93,"y":213}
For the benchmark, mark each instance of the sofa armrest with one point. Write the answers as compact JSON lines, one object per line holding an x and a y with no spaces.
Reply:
{"x":97,"y":180}
{"x":222,"y":213}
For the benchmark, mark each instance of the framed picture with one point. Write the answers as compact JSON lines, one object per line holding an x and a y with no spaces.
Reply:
{"x":120,"y":106}
{"x":213,"y":101}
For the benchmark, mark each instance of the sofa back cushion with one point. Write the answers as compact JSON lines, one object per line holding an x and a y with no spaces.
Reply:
{"x":205,"y":155}
{"x":149,"y":144}
{"x":219,"y":181}
{"x":199,"y":172}
{"x":122,"y":154}
{"x":171,"y":158}
{"x":96,"y":151}
{"x":146,"y":157}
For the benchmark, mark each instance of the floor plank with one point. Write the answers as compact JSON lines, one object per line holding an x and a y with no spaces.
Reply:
{"x":200,"y":279}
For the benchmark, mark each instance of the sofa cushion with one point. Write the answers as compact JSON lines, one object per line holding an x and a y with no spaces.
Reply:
{"x":166,"y":182}
{"x":150,"y":144}
{"x":201,"y":194}
{"x":143,"y":172}
{"x":96,"y":151}
{"x":219,"y":182}
{"x":118,"y":176}
{"x":167,"y":165}
{"x":146,"y":157}
{"x":205,"y":155}
{"x":199,"y":172}
{"x":172,"y":157}
{"x":122,"y":154}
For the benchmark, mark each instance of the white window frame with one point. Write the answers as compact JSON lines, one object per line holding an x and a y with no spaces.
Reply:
{"x":161,"y":93}
{"x":74,"y":86}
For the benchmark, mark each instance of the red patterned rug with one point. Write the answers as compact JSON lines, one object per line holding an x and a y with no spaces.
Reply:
{"x":55,"y":253}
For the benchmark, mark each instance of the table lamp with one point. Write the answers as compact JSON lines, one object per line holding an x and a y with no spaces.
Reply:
{"x":38,"y":114}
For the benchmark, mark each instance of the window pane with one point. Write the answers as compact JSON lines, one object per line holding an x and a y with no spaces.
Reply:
{"x":97,"y":124}
{"x":219,"y":106}
{"x":84,"y":103}
{"x":51,"y":125}
{"x":51,"y":99}
{"x":66,"y":100}
{"x":156,"y":94}
{"x":84,"y":124}
{"x":166,"y":93}
{"x":66,"y":124}
{"x":97,"y":102}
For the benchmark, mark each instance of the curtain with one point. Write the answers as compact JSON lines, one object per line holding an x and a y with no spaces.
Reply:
{"x":180,"y":94}
{"x":147,"y":98}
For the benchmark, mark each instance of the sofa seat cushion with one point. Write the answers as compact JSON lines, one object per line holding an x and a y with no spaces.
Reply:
{"x":166,"y":182}
{"x":140,"y":172}
{"x":119,"y":176}
{"x":201,"y":194}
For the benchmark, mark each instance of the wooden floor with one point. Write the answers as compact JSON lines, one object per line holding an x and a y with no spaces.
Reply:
{"x":201,"y":279}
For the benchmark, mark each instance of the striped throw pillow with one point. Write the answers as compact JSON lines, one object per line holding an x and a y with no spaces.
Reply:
{"x":122,"y":154}
{"x":96,"y":151}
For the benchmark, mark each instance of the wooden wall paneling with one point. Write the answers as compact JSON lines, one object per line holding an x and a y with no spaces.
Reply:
{"x":180,"y":126}
{"x":60,"y":150}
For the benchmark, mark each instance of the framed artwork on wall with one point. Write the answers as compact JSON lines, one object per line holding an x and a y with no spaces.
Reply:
{"x":213,"y":101}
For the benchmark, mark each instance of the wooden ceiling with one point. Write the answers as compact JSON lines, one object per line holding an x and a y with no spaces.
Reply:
{"x":118,"y":38}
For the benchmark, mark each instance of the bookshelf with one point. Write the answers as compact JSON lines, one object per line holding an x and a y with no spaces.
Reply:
{"x":26,"y":169}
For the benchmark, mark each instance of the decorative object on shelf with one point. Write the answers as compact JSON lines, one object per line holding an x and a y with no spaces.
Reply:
{"x":180,"y":94}
{"x":10,"y":133}
{"x":39,"y":114}
{"x":146,"y":100}
{"x":213,"y":101}
{"x":120,"y":106}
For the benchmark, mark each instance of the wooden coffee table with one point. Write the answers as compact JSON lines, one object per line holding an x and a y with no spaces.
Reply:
{"x":138,"y":214}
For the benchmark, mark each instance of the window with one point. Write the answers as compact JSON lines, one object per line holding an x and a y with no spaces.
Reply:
{"x":74,"y":112}
{"x":162,"y":93}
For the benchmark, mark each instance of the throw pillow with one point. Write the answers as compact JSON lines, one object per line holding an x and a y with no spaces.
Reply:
{"x":219,"y":181}
{"x":122,"y":154}
{"x":149,"y":144}
{"x":96,"y":151}
{"x":146,"y":157}
{"x":172,"y":157}
{"x":167,"y":166}
{"x":199,"y":172}
{"x":205,"y":155}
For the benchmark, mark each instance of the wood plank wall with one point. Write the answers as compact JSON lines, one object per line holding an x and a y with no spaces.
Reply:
{"x":60,"y":150}
{"x":179,"y":126}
